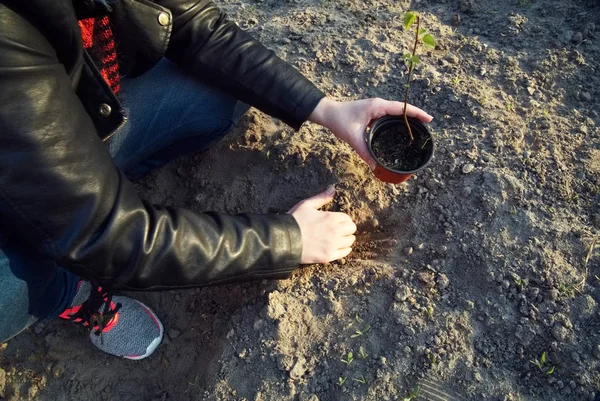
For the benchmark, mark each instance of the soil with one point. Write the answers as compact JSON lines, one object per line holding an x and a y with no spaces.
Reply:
{"x":463,"y":275}
{"x":395,"y":150}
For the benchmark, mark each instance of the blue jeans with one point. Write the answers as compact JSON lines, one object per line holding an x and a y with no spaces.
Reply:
{"x":170,"y":113}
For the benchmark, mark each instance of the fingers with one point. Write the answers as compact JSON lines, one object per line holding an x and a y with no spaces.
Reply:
{"x":346,"y":242}
{"x":348,"y":228}
{"x":397,"y":108}
{"x":340,"y":253}
{"x":317,"y":201}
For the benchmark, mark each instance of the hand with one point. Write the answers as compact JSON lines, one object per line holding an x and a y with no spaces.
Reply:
{"x":326,"y":236}
{"x":349,"y":120}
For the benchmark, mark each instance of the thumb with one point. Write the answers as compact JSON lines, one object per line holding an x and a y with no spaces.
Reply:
{"x":362,"y":150}
{"x":321,"y":199}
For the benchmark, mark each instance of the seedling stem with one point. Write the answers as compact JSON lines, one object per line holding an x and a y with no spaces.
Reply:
{"x":410,"y":70}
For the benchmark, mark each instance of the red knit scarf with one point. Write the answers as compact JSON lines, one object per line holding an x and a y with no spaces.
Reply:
{"x":99,"y":42}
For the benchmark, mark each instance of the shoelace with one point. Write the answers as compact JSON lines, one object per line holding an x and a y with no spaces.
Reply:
{"x":89,"y":311}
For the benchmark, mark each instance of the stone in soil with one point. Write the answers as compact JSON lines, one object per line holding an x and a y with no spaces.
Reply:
{"x":467,"y":168}
{"x":2,"y":382}
{"x":402,"y":293}
{"x":443,"y":282}
{"x":596,"y":351}
{"x":560,"y":332}
{"x":174,"y":333}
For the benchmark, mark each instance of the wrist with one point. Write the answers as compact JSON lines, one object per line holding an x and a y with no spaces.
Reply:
{"x":322,"y":113}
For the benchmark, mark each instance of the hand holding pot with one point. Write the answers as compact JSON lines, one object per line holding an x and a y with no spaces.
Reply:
{"x":326,"y":236}
{"x":349,"y":120}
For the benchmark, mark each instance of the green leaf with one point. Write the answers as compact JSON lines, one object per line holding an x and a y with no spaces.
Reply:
{"x":414,"y":59}
{"x":350,"y":356}
{"x":422,"y":31}
{"x":409,"y":19}
{"x":429,"y":41}
{"x":550,"y":371}
{"x":543,"y":358}
{"x":406,"y":56}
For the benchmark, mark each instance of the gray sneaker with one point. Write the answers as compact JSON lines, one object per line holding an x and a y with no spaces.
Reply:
{"x":120,"y":326}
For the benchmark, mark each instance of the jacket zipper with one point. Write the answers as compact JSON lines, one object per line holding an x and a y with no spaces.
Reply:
{"x":114,"y":131}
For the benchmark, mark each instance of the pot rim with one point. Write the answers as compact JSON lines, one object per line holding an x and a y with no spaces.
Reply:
{"x":398,"y":119}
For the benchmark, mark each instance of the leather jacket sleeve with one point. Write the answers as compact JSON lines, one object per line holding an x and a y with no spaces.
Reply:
{"x":62,"y":197}
{"x":205,"y":41}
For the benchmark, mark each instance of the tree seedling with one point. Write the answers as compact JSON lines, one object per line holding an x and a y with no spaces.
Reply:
{"x":361,"y":380}
{"x":542,"y":364}
{"x":412,"y":59}
{"x":349,"y":358}
{"x":362,"y":353}
{"x":341,"y":381}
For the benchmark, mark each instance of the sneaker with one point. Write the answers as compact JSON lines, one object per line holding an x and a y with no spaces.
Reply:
{"x":118,"y":325}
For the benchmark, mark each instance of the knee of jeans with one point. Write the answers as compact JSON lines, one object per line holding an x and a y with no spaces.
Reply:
{"x":227,"y":124}
{"x":239,"y":110}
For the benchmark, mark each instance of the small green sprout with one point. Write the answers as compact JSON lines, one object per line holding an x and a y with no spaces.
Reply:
{"x":414,"y":393}
{"x":361,"y":380}
{"x":429,"y":311}
{"x":349,"y":358}
{"x":362,"y":353}
{"x":341,"y":381}
{"x":356,"y":319}
{"x":360,"y":333}
{"x":433,"y":359}
{"x":542,"y":364}
{"x":519,"y":282}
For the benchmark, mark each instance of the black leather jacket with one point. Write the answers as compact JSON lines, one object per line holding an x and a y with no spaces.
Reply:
{"x":61,"y":196}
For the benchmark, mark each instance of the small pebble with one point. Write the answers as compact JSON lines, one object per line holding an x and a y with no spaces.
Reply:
{"x":258,"y":324}
{"x":453,"y":59}
{"x":443,"y":282}
{"x":586,"y":96}
{"x":456,"y":20}
{"x":58,"y":371}
{"x":38,"y":329}
{"x":408,"y":251}
{"x":560,"y":332}
{"x":467,"y":168}
{"x":174,"y":333}
{"x":409,"y":331}
{"x":577,"y":37}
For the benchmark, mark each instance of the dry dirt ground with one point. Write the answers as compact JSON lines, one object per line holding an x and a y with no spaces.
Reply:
{"x":463,"y":276}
